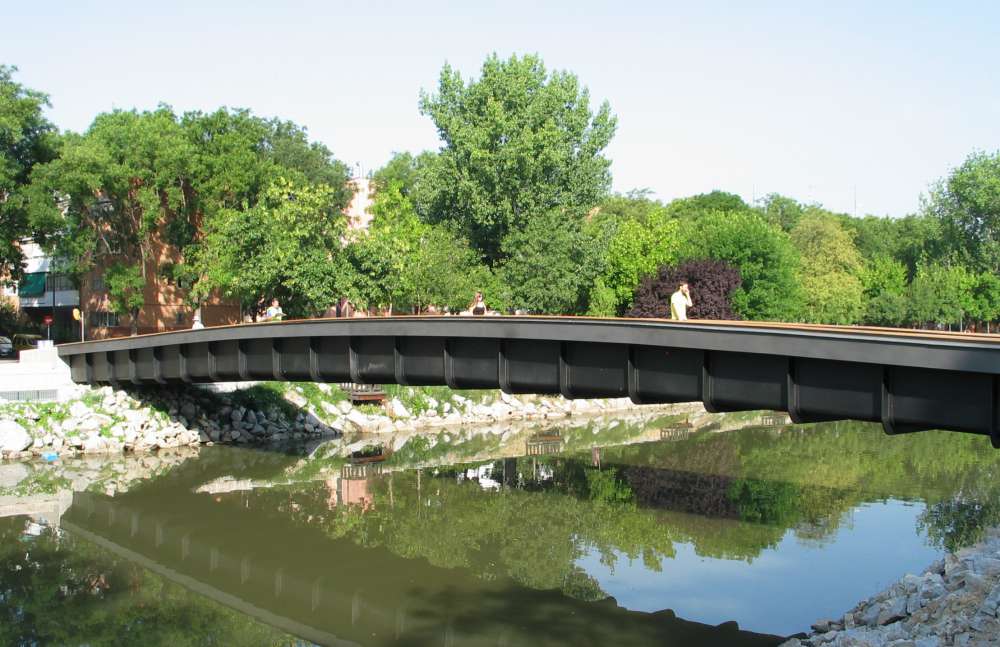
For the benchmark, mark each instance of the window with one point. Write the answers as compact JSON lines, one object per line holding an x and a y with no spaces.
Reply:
{"x":179,"y":318}
{"x":58,"y":283}
{"x":104,"y":319}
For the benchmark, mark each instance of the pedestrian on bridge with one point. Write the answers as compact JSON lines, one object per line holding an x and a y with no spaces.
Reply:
{"x":680,"y":301}
{"x":274,"y":312}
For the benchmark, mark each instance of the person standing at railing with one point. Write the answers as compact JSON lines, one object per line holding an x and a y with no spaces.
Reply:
{"x":680,"y":301}
{"x":274,"y":312}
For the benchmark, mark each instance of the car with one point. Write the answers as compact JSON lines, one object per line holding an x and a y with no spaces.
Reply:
{"x":25,"y":342}
{"x":6,"y":347}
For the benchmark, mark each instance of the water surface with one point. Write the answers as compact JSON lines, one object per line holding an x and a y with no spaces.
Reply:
{"x":737,"y":531}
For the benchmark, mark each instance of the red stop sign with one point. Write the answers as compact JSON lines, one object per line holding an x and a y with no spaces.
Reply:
{"x":47,"y":320}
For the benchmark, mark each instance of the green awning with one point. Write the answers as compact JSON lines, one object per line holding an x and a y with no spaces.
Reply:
{"x":32,"y":285}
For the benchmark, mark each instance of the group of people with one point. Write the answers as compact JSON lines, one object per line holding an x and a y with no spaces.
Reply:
{"x":680,"y":301}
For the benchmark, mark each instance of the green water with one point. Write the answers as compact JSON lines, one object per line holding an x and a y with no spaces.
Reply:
{"x":604,"y":533}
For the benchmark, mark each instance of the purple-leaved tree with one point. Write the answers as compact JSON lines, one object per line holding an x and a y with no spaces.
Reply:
{"x":711,"y":284}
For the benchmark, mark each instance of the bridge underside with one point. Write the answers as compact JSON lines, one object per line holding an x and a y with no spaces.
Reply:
{"x":904,"y":397}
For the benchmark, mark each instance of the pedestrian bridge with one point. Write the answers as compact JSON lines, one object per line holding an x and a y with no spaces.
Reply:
{"x":907,"y":380}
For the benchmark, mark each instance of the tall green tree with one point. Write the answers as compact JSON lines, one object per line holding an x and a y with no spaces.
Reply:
{"x":832,"y":291}
{"x":520,"y":143}
{"x":27,"y":139}
{"x":550,"y":265}
{"x":968,"y":203}
{"x":119,"y":186}
{"x":764,"y":255}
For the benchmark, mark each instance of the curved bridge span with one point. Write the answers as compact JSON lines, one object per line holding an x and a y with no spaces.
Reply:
{"x":907,"y":380}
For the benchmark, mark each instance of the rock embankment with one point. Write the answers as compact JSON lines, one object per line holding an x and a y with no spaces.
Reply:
{"x":956,"y":601}
{"x":105,"y":420}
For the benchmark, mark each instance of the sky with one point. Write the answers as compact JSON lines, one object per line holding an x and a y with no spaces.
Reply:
{"x":859,"y":106}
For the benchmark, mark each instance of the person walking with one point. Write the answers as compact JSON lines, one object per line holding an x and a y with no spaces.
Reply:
{"x":680,"y":301}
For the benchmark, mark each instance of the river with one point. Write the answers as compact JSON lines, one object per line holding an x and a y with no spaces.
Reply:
{"x":737,"y":532}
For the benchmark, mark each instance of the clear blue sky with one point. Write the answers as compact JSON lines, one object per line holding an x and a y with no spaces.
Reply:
{"x":815,"y":100}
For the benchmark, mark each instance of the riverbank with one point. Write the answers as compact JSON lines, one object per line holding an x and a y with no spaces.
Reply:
{"x":105,"y":420}
{"x":956,"y":601}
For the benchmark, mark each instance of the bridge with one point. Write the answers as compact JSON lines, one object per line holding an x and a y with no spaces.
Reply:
{"x":906,"y":380}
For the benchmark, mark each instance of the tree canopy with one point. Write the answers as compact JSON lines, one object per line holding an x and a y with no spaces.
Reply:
{"x":520,"y":143}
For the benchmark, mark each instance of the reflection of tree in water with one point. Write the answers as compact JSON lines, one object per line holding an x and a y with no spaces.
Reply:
{"x":960,"y":522}
{"x":103,"y":600}
{"x":534,"y":533}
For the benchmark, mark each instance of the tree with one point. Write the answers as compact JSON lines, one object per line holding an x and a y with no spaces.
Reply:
{"x":712,"y":284}
{"x":765,"y":257}
{"x":520,"y":143}
{"x":883,"y":280}
{"x":780,"y":210}
{"x":285,"y":246}
{"x":968,"y":203}
{"x":404,"y":170}
{"x":633,"y":249}
{"x":941,"y":294}
{"x":833,"y":293}
{"x":633,"y":205}
{"x":125,"y":290}
{"x":402,"y":262}
{"x":706,"y":203}
{"x":121,"y":186}
{"x":26,"y":140}
{"x":550,"y":265}
{"x":986,"y":297}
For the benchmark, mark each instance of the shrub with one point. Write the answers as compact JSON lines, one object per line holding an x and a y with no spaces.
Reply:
{"x":711,"y":282}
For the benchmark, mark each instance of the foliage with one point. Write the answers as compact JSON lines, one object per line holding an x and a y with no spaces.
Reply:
{"x":286,"y":246}
{"x":696,"y":206}
{"x":125,"y":291}
{"x":883,"y":280}
{"x":764,"y":255}
{"x":780,"y":210}
{"x":941,"y":294}
{"x":711,"y":283}
{"x":27,"y":139}
{"x":549,"y":265}
{"x":404,"y":170}
{"x":635,"y":248}
{"x":832,"y":291}
{"x":968,"y":204}
{"x":405,"y":263}
{"x":519,"y":143}
{"x":633,"y":205}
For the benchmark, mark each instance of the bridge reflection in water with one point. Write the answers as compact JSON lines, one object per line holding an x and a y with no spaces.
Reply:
{"x":333,"y":592}
{"x":906,"y":380}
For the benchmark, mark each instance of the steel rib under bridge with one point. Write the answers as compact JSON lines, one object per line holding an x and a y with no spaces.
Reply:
{"x":907,"y":380}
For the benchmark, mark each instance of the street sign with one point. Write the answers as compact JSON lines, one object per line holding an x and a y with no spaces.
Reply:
{"x":47,"y":320}
{"x":76,"y":314}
